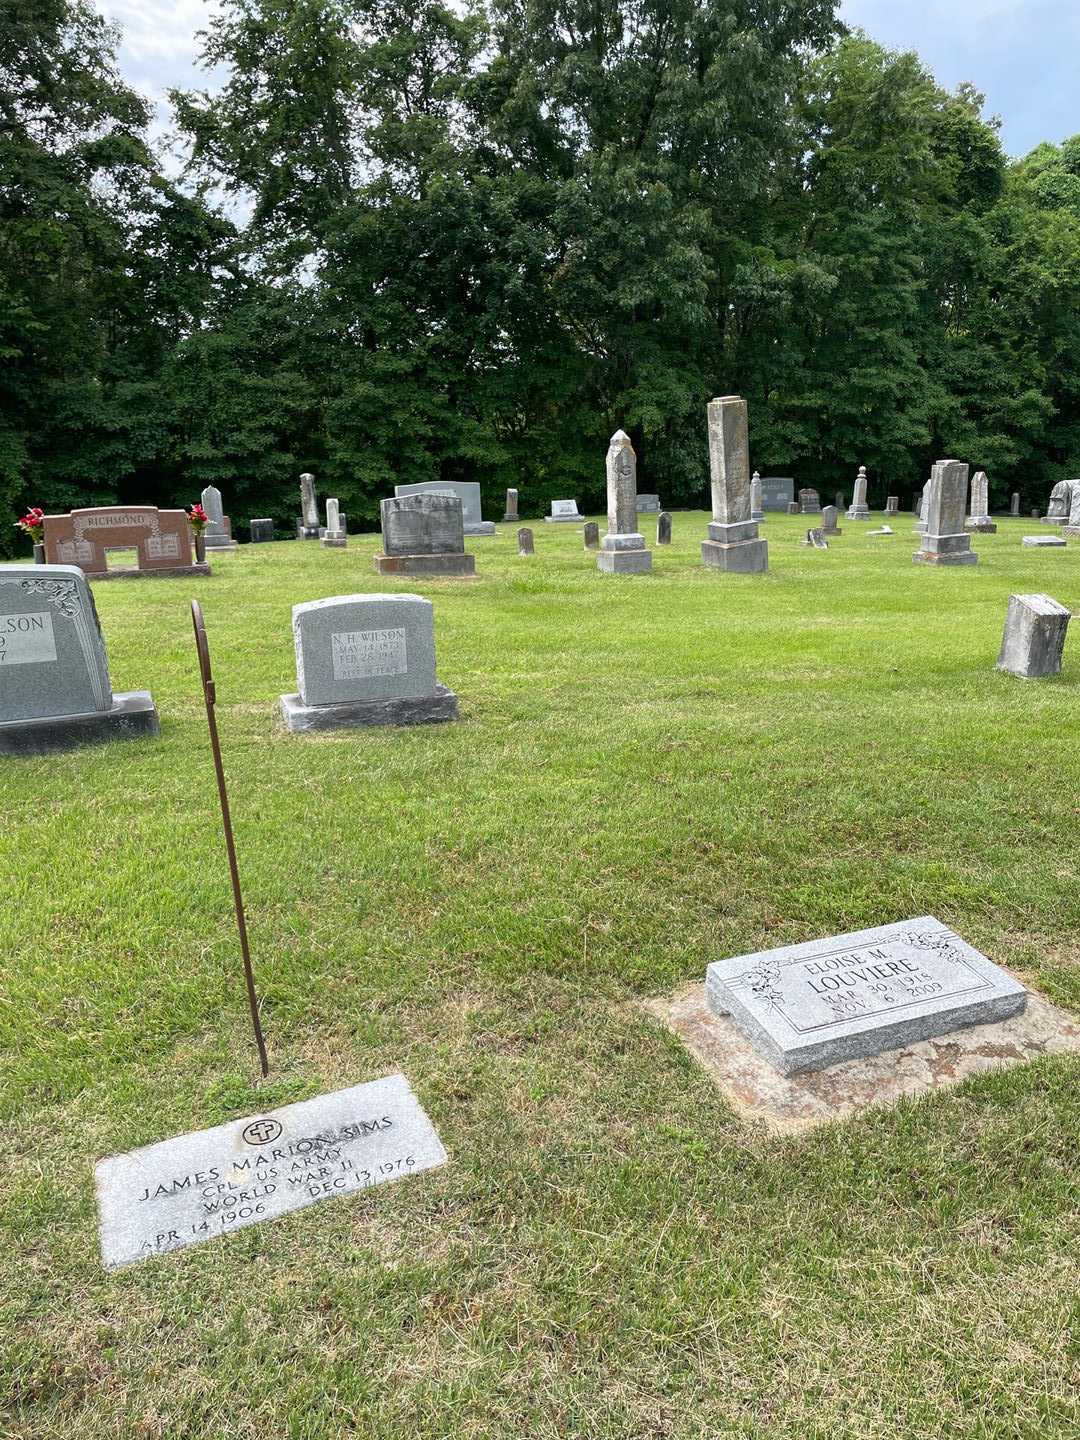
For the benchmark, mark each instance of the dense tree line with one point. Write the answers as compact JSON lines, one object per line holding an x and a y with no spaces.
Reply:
{"x":414,"y":244}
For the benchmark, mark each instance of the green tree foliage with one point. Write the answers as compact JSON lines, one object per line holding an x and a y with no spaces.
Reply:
{"x":451,"y":243}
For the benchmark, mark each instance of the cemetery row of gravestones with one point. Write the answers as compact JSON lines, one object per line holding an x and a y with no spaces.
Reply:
{"x":370,"y":659}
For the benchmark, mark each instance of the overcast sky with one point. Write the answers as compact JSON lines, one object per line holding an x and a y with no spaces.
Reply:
{"x":1023,"y":54}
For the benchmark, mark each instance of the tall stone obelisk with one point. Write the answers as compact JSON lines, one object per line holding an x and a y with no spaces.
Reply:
{"x":733,"y":543}
{"x":622,"y":550}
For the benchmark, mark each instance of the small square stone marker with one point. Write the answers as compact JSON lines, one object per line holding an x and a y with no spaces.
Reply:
{"x":1034,"y":636}
{"x":807,"y":1006}
{"x":195,"y":1187}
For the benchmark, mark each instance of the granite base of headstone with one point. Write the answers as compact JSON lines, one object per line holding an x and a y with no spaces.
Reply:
{"x":563,"y":512}
{"x":635,"y":560}
{"x":804,"y":1007}
{"x":663,"y":528}
{"x":591,"y":534}
{"x":197,"y":1187}
{"x":981,"y":527}
{"x":262,"y":530}
{"x":365,"y":660}
{"x":1044,"y":542}
{"x":525,"y":541}
{"x":1034,"y":637}
{"x":423,"y":534}
{"x":55,"y":691}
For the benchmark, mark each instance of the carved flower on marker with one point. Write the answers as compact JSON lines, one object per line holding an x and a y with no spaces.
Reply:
{"x":920,"y":940}
{"x":763,"y":983}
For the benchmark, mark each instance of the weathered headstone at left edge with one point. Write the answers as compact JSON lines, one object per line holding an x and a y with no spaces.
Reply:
{"x":55,"y":690}
{"x":622,"y":550}
{"x":195,"y":1187}
{"x":365,"y":660}
{"x":848,"y":996}
{"x":733,"y":543}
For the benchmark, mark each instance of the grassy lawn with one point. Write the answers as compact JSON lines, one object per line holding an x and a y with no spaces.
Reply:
{"x":649,"y":773}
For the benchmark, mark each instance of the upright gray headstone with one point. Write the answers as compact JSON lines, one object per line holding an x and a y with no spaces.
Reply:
{"x":838,"y":500}
{"x":663,"y":528}
{"x":334,"y":536}
{"x":54,"y":676}
{"x":979,"y":509}
{"x":1072,"y":521}
{"x":525,"y":541}
{"x":1014,"y":504}
{"x":511,"y":512}
{"x":467,"y":491}
{"x":892,"y":505}
{"x":807,"y":1006}
{"x":946,"y":542}
{"x":591,"y":534}
{"x":859,"y":510}
{"x":262,"y":530}
{"x":809,"y":502}
{"x":215,"y":535}
{"x":756,"y":512}
{"x":733,"y":542}
{"x":423,"y":534}
{"x":622,"y":550}
{"x":648,"y":504}
{"x":308,"y":527}
{"x":924,"y":502}
{"x":794,"y":508}
{"x":365,"y":660}
{"x":1034,"y":636}
{"x":829,"y":517}
{"x":777,"y":492}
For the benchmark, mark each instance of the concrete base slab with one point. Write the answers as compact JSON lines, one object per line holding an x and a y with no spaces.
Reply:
{"x":356,"y":714}
{"x":955,"y":557}
{"x":746,"y":557}
{"x":334,"y":542}
{"x":1044,"y":542}
{"x":483,"y":527}
{"x":787,"y":1104}
{"x":980,"y":527}
{"x":132,"y":572}
{"x":624,"y":562}
{"x":454,"y":564}
{"x":132,"y":716}
{"x":563,"y":519}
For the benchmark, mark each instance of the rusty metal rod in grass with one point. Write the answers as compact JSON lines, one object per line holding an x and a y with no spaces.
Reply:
{"x":210,"y":696}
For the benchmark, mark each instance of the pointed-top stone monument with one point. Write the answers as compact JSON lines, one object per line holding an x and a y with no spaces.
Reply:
{"x":216,"y":535}
{"x":979,"y":509}
{"x":733,"y":543}
{"x":622,"y":550}
{"x":756,"y":512}
{"x":334,"y":537}
{"x":307,"y":527}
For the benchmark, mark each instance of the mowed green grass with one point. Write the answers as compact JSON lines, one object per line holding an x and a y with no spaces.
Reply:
{"x":648,"y":773}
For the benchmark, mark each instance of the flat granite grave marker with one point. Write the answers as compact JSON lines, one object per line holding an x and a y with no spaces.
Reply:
{"x":1034,"y":636}
{"x":1044,"y":542}
{"x":807,"y":1006}
{"x":365,"y":660}
{"x":55,"y":690}
{"x":194,"y":1187}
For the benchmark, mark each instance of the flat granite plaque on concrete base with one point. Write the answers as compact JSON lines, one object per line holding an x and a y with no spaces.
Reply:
{"x":195,"y":1187}
{"x":130,"y":716}
{"x":807,"y":1006}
